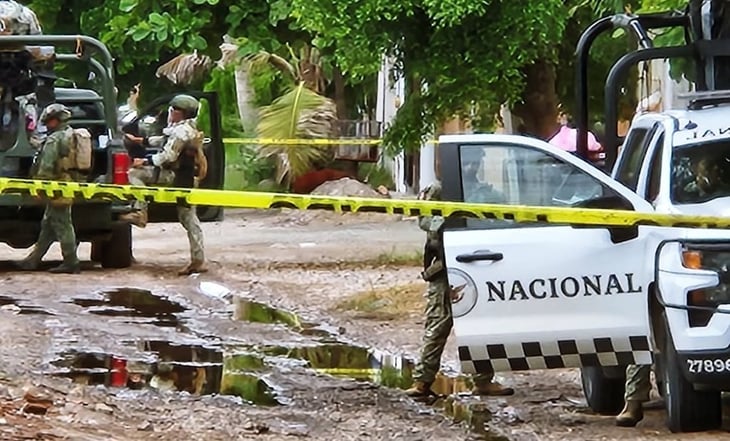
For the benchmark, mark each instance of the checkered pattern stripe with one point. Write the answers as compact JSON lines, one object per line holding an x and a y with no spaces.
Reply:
{"x":556,"y":354}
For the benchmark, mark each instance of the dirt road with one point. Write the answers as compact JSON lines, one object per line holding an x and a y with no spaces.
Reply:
{"x":305,"y":328}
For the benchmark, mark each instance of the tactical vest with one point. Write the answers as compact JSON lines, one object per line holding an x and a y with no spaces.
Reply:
{"x":190,"y":163}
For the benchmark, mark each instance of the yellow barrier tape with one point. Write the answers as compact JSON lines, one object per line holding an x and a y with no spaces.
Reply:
{"x":301,"y":141}
{"x":296,"y":141}
{"x":258,"y":200}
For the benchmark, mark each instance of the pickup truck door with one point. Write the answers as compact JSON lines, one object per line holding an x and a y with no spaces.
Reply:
{"x":209,"y":121}
{"x":536,"y":296}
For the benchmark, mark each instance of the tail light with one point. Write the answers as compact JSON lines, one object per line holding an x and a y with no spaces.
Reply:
{"x":120,"y":166}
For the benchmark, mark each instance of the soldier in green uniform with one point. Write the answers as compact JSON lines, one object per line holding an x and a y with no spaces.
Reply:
{"x":439,"y":320}
{"x":56,"y":223}
{"x":181,"y":163}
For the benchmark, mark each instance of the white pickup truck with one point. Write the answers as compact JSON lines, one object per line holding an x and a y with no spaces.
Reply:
{"x":544,"y":296}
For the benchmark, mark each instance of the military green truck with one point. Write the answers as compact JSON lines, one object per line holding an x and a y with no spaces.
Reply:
{"x":28,"y":68}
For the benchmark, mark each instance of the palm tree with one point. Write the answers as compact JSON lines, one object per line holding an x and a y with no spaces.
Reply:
{"x":300,"y":113}
{"x":185,"y":69}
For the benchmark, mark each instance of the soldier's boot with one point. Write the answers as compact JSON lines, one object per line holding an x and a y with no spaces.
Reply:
{"x":420,"y":389}
{"x":33,"y":260}
{"x":70,"y":263}
{"x":66,"y":268}
{"x":137,"y":218}
{"x":631,"y":415}
{"x":29,"y":264}
{"x":196,"y":266}
{"x":492,"y":389}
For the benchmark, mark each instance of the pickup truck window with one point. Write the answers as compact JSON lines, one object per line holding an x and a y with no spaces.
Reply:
{"x":701,"y":172}
{"x":635,"y":150}
{"x":519,"y":175}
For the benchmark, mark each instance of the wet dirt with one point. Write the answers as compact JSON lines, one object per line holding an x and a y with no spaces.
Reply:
{"x":19,"y":307}
{"x":133,"y":303}
{"x":304,"y":264}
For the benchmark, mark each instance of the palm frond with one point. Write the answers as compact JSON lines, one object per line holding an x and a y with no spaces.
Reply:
{"x":185,"y":68}
{"x":301,"y":113}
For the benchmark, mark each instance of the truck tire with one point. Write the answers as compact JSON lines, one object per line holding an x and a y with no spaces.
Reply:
{"x":97,"y":249}
{"x":117,"y":251}
{"x":604,"y":394}
{"x":688,"y":410}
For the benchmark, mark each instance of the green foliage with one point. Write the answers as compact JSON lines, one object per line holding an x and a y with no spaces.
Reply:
{"x":245,"y":169}
{"x":223,"y":81}
{"x":466,"y":52}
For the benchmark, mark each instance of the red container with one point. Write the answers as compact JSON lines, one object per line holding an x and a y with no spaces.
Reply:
{"x":118,"y":377}
{"x":120,"y":165}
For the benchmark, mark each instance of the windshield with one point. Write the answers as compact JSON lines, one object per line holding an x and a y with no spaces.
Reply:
{"x":701,"y":172}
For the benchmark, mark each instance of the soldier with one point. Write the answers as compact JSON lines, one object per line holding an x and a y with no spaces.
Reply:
{"x":56,"y":223}
{"x":438,"y":309}
{"x":182,"y":163}
{"x":638,"y":386}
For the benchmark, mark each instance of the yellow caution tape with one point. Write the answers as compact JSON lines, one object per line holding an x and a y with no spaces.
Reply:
{"x":259,"y":200}
{"x":296,"y":141}
{"x":301,"y":141}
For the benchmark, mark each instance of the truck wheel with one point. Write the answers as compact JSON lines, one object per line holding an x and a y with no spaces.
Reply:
{"x":117,"y":252}
{"x":97,"y":249}
{"x":688,"y":410}
{"x":604,"y":393}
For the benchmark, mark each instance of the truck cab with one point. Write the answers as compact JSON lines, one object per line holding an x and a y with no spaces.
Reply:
{"x":548,"y":296}
{"x":29,"y":65}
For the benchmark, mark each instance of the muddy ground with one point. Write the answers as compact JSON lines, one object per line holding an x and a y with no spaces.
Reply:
{"x":305,"y":328}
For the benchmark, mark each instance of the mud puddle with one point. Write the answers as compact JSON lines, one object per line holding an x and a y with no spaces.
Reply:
{"x":364,"y":364}
{"x":256,"y":312}
{"x":16,"y":305}
{"x":134,"y":304}
{"x":166,"y":366}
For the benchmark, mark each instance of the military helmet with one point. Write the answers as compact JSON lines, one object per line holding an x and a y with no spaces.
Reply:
{"x":55,"y":110}
{"x":185,"y":102}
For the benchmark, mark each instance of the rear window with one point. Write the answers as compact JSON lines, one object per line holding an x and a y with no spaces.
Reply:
{"x":701,"y":172}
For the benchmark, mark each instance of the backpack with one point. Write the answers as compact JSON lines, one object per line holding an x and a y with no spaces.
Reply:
{"x":80,"y":151}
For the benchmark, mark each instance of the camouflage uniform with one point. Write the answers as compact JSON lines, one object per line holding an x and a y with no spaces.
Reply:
{"x":56,"y":223}
{"x":638,"y":387}
{"x":439,"y":320}
{"x":174,"y":140}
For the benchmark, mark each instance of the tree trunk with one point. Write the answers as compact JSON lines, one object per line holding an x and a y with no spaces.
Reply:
{"x":340,"y":97}
{"x":244,"y":98}
{"x":539,"y":107}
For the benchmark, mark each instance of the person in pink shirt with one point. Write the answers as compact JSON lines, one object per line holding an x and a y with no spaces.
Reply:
{"x":566,"y":139}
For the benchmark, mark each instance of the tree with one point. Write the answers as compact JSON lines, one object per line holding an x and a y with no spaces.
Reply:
{"x":301,"y":113}
{"x":458,"y":58}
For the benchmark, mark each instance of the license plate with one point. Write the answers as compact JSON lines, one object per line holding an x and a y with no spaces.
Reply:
{"x":709,"y":366}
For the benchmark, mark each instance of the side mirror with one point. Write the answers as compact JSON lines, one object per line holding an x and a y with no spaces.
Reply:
{"x":618,"y":234}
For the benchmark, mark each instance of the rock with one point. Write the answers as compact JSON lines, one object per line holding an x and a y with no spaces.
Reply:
{"x":255,"y":427}
{"x":572,"y":419}
{"x":103,"y":408}
{"x":145,"y":426}
{"x":346,"y":187}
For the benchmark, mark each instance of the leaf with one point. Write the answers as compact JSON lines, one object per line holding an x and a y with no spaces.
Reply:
{"x":300,"y":113}
{"x":140,"y":33}
{"x":127,"y":5}
{"x":162,"y":34}
{"x":197,"y":42}
{"x":157,"y":19}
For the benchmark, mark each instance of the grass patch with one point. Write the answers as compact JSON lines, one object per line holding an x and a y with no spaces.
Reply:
{"x":387,"y":303}
{"x":413,"y":258}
